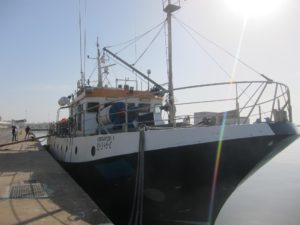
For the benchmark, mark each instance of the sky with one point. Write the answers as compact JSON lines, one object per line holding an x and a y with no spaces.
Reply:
{"x":40,"y":46}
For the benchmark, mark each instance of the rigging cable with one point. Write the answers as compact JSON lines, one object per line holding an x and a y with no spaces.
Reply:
{"x":147,"y":48}
{"x":203,"y":49}
{"x":135,"y":39}
{"x":207,"y":53}
{"x":221,"y":48}
{"x":93,"y":71}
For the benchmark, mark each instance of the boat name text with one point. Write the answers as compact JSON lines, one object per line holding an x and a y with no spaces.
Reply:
{"x":104,"y":143}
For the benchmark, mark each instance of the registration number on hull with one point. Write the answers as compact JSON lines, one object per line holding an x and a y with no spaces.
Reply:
{"x":104,"y":143}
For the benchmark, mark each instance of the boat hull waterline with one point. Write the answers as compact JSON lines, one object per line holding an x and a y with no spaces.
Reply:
{"x":178,"y":167}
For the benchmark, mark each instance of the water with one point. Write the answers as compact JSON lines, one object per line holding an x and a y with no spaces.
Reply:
{"x":270,"y":196}
{"x":43,"y":141}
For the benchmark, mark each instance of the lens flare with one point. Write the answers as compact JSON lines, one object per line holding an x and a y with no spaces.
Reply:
{"x":254,"y":8}
{"x":216,"y":170}
{"x":238,"y":51}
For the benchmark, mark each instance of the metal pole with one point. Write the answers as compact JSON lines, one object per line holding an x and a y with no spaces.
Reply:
{"x":259,"y":109}
{"x":237,"y":104}
{"x":274,"y":99}
{"x":169,"y":9}
{"x":289,"y":106}
{"x":170,"y":71}
{"x":126,"y":115}
{"x":100,"y":79}
{"x":255,"y":103}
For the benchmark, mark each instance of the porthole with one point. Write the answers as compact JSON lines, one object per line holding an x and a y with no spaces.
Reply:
{"x":76,"y":149}
{"x":93,"y":151}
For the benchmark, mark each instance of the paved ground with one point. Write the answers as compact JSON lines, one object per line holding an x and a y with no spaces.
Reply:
{"x":34,"y":189}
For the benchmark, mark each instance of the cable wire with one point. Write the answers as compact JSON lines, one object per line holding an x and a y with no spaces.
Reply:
{"x":147,"y":48}
{"x":133,"y":40}
{"x":203,"y":49}
{"x":219,"y":47}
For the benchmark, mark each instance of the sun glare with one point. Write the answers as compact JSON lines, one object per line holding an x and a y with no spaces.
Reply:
{"x":254,"y":8}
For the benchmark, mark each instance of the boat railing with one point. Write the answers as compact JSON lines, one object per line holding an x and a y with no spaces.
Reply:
{"x":239,"y":102}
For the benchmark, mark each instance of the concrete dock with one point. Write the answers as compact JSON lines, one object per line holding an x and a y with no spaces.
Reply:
{"x":35,"y":189}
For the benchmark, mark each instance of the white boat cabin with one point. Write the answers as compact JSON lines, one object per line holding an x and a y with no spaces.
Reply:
{"x":108,"y":110}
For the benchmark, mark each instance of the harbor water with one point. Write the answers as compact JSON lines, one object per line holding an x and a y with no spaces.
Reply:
{"x":271,"y":196}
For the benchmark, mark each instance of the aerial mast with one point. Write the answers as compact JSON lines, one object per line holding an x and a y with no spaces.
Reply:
{"x":171,"y":7}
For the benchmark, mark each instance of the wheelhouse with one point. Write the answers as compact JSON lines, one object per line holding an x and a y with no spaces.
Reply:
{"x":108,"y":110}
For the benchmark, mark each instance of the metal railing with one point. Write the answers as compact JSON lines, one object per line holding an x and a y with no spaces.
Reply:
{"x":270,"y":100}
{"x":243,"y":101}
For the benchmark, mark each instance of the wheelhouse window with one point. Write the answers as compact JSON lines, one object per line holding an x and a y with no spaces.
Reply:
{"x":144,"y":107}
{"x":130,"y":106}
{"x":92,"y":107}
{"x":157,"y":109}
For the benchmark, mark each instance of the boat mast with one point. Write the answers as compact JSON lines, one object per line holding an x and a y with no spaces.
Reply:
{"x":169,"y":9}
{"x":100,"y":80}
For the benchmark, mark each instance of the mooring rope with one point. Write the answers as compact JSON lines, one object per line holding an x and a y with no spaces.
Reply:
{"x":136,"y":217}
{"x":31,"y":139}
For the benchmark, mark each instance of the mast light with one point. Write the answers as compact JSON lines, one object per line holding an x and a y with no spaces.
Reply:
{"x":171,"y":8}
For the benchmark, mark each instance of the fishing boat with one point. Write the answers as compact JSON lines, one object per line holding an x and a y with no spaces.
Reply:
{"x":143,"y":168}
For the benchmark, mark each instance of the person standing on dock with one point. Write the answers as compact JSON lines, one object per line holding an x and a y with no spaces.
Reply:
{"x":14,"y":133}
{"x":27,"y":129}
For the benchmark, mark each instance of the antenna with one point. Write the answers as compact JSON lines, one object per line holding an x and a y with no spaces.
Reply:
{"x":100,"y":60}
{"x":82,"y":61}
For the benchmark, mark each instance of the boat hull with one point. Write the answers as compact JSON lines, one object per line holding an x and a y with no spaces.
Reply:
{"x":177,"y":180}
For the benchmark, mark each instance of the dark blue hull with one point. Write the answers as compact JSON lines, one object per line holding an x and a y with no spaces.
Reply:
{"x":177,"y":181}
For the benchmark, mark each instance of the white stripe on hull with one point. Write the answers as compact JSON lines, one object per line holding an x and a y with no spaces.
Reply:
{"x":117,"y":144}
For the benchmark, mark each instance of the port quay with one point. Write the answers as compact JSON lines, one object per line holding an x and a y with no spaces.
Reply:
{"x":35,"y":189}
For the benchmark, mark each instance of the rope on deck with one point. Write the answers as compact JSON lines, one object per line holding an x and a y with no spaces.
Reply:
{"x":26,"y":140}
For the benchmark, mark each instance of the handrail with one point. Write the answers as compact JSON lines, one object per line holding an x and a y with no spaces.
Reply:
{"x":227,"y":83}
{"x":264,"y":88}
{"x":262,"y":98}
{"x":285,"y":94}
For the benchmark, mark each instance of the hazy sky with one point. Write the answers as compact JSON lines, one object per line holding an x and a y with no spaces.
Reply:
{"x":40,"y":60}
